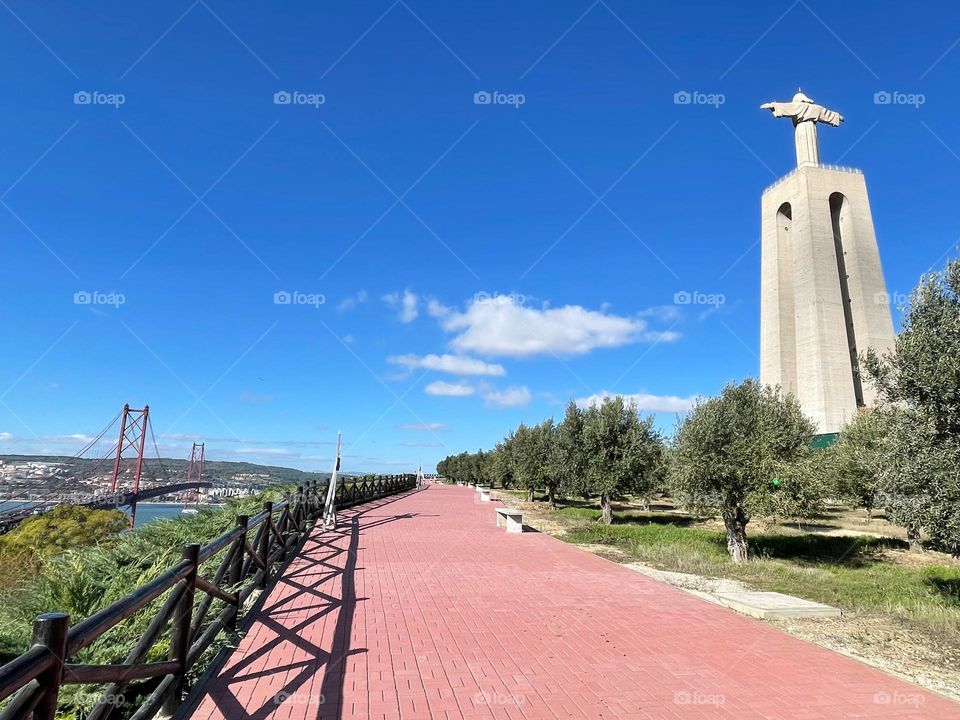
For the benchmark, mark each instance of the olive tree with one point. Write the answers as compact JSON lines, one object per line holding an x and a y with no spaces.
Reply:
{"x":857,"y":459}
{"x":920,"y":381}
{"x":570,"y":452}
{"x":529,"y":459}
{"x":621,"y":453}
{"x":745,"y":453}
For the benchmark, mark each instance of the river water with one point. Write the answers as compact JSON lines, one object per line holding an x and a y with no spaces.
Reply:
{"x":146,"y":512}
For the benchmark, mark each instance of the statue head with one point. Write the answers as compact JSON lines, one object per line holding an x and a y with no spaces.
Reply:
{"x":800,"y":97}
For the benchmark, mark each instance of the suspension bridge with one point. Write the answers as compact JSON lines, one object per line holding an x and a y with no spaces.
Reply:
{"x":119,"y":467}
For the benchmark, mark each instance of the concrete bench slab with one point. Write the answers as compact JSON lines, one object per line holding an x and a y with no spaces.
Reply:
{"x":511,"y":518}
{"x":765,"y":605}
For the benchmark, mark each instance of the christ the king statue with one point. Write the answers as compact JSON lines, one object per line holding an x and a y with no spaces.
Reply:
{"x":805,"y":115}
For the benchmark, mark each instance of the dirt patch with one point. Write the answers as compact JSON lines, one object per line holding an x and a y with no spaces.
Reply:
{"x":690,"y":582}
{"x":876,"y":641}
{"x":911,"y":559}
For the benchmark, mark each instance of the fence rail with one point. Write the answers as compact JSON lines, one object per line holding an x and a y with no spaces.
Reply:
{"x":250,"y":552}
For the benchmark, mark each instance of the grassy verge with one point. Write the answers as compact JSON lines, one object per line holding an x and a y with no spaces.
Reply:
{"x":85,"y":579}
{"x":864,"y":573}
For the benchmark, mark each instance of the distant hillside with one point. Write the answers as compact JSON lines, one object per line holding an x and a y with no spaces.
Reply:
{"x":216,"y":471}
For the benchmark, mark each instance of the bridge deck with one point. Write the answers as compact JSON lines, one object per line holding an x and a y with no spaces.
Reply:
{"x":420,"y":607}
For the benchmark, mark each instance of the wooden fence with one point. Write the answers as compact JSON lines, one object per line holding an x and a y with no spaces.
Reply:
{"x":249,"y":554}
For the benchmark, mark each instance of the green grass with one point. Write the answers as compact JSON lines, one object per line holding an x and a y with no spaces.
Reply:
{"x":849,"y":572}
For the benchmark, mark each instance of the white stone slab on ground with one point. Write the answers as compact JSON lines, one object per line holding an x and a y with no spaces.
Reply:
{"x":766,"y":605}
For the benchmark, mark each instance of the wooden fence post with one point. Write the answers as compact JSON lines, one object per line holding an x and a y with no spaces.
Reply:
{"x":286,"y":518}
{"x":264,"y":549}
{"x":180,"y":630}
{"x":236,"y":565}
{"x":301,"y":518}
{"x":50,"y":630}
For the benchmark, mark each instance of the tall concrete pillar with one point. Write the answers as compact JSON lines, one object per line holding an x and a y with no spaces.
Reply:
{"x":823,"y":297}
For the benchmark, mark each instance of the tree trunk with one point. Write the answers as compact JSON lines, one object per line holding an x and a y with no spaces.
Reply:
{"x":607,"y":508}
{"x":736,"y":524}
{"x":913,"y":537}
{"x":551,"y":496}
{"x":530,"y":495}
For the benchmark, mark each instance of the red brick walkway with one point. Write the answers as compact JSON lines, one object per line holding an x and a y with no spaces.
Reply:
{"x":420,"y":607}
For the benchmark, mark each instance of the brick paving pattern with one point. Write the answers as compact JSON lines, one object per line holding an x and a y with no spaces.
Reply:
{"x":418,"y":606}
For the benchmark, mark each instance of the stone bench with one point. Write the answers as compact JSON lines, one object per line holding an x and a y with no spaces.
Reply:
{"x":512,"y":519}
{"x":484,"y":493}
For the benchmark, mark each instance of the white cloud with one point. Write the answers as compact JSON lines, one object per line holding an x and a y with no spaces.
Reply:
{"x":274,"y":452}
{"x":501,"y":326}
{"x":645,"y":401}
{"x":511,"y":397}
{"x":664,"y":313}
{"x":437,"y":309}
{"x":445,"y":389}
{"x":426,"y":427}
{"x":179,"y":436}
{"x":350,"y":302}
{"x":6,"y":436}
{"x":407,"y":302}
{"x":453,"y":364}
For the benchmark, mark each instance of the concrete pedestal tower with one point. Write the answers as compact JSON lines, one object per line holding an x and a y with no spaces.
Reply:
{"x":823,"y":298}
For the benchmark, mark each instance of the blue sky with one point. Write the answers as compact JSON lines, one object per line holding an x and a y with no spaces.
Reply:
{"x":453,"y":266}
